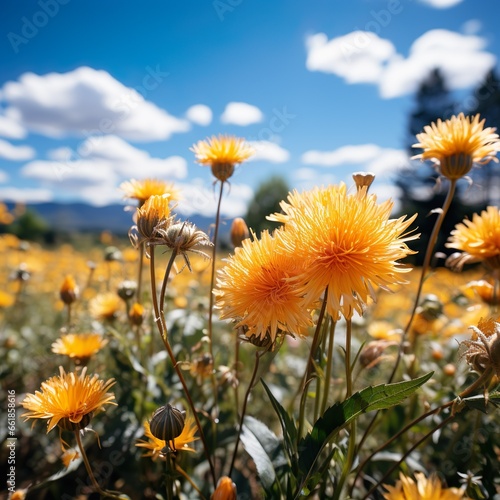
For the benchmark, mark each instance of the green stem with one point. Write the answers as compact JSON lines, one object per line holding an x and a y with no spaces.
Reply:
{"x":425,"y":266}
{"x":162,"y":327}
{"x":244,"y":409}
{"x":95,"y":484}
{"x":138,"y":292}
{"x":329,"y":366}
{"x":310,"y":366}
{"x":351,"y":450}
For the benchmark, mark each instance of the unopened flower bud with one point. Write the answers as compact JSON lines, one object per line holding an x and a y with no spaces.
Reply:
{"x":69,"y":290}
{"x":127,"y":289}
{"x":239,"y":232}
{"x":226,"y":489}
{"x":363,"y":179}
{"x":136,"y":314}
{"x":167,"y":423}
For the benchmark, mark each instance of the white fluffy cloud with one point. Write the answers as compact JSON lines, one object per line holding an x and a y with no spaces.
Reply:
{"x":27,"y":195}
{"x":11,"y":128}
{"x":461,"y":59}
{"x":199,"y":114}
{"x":88,"y":102}
{"x":358,"y":57}
{"x":363,"y":57}
{"x":15,"y":153}
{"x":269,"y":151}
{"x":241,"y":113}
{"x":441,"y":4}
{"x":100,"y":164}
{"x":383,"y":162}
{"x":198,"y":197}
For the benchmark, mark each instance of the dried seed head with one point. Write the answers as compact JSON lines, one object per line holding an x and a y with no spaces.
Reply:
{"x":127,"y":289}
{"x":167,"y":423}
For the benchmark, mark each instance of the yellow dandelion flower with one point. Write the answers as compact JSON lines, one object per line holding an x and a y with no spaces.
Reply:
{"x":456,"y":144}
{"x":157,"y":447}
{"x":80,"y":346}
{"x":105,"y":306}
{"x":423,"y":489}
{"x":256,"y":289}
{"x":347,"y":243}
{"x":142,"y":190}
{"x":69,"y":400}
{"x":478,"y":239}
{"x":222,"y":154}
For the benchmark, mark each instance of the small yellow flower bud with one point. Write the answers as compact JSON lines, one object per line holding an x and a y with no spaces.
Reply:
{"x":136,"y":314}
{"x":226,"y":489}
{"x":239,"y":232}
{"x":69,"y":290}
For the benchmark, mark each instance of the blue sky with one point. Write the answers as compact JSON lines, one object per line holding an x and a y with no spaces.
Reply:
{"x":93,"y":93}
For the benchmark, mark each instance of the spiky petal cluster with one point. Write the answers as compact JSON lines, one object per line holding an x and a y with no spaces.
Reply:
{"x":68,"y":398}
{"x":347,"y":244}
{"x":454,"y":145}
{"x":256,"y":289}
{"x":478,"y":239}
{"x":80,"y":346}
{"x":422,"y":489}
{"x":222,"y":153}
{"x":142,"y":190}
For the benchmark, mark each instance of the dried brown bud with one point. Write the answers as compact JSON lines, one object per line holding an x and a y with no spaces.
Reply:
{"x":363,"y":179}
{"x":167,"y":423}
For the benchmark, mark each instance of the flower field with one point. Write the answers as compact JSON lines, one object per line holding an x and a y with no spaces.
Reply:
{"x":311,"y":362}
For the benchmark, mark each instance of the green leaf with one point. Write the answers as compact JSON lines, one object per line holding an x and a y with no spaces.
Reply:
{"x":264,"y":447}
{"x":287,"y":425}
{"x":339,"y":415}
{"x":480,"y":403}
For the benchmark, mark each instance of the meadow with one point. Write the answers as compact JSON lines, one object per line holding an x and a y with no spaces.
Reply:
{"x":311,"y":362}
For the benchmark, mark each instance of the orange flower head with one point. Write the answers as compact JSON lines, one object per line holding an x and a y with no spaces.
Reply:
{"x":222,"y":153}
{"x":454,"y":145}
{"x":69,"y":400}
{"x":423,"y":488}
{"x":347,"y":244}
{"x":478,"y":239}
{"x":142,"y":190}
{"x":106,"y":306}
{"x":80,"y":346}
{"x":256,"y":288}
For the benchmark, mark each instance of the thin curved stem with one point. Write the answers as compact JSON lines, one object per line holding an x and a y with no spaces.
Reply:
{"x":403,"y":458}
{"x":427,"y":260}
{"x":162,"y":327}
{"x":244,"y":409}
{"x":482,"y":379}
{"x":138,"y":294}
{"x":95,"y":484}
{"x":310,"y":365}
{"x":329,"y":366}
{"x":351,"y":449}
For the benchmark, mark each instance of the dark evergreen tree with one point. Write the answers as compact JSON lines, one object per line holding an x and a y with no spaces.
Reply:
{"x":266,"y":201}
{"x":485,"y":100}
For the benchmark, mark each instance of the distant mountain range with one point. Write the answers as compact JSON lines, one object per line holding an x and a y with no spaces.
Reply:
{"x":82,"y":217}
